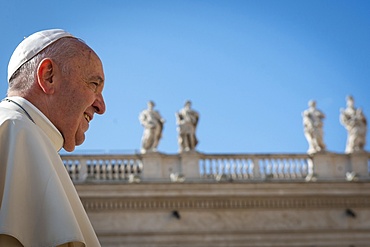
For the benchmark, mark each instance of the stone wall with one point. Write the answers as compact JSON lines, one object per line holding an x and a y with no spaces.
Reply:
{"x":200,"y":200}
{"x":229,"y":214}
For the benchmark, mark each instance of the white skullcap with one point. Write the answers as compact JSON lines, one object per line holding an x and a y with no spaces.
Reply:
{"x":31,"y":46}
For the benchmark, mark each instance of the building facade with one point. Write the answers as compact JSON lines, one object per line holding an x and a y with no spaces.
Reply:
{"x":196,"y":199}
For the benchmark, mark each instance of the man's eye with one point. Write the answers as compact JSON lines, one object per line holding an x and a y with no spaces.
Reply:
{"x":94,"y":86}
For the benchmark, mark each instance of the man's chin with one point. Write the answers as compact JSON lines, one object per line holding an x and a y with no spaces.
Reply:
{"x":70,"y":147}
{"x":79,"y":141}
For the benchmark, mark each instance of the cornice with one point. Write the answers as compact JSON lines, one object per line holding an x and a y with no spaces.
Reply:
{"x":259,"y":189}
{"x":234,"y":203}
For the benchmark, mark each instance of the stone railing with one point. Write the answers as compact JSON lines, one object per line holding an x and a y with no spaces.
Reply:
{"x":249,"y":167}
{"x":102,"y":167}
{"x":194,"y":166}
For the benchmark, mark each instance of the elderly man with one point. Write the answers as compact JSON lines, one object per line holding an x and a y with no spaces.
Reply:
{"x":55,"y":88}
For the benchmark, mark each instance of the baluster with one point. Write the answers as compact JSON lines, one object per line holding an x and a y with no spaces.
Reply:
{"x":135,"y":169}
{"x":240,"y":168}
{"x":70,"y":169}
{"x":140,"y":166}
{"x":248,"y":168}
{"x":221,"y":167}
{"x":304,"y":168}
{"x":201,"y":168}
{"x":115,"y":169}
{"x":209,"y":168}
{"x":262,"y":167}
{"x":267,"y":167}
{"x":286,"y":168}
{"x":103,"y":168}
{"x":89,"y":169}
{"x":100,"y":169}
{"x":205,"y":168}
{"x":109,"y":169}
{"x":121,"y":169}
{"x":293,"y":168}
{"x":132,"y":168}
{"x":274,"y":168}
{"x":271,"y":167}
{"x":138,"y":170}
{"x":125,"y":168}
{"x":243,"y":169}
{"x":298,"y":168}
{"x":214,"y":167}
{"x":233,"y":168}
{"x":96,"y":169}
{"x":280,"y":168}
{"x":257,"y":168}
{"x":82,"y":170}
{"x":76,"y":169}
{"x":227,"y":167}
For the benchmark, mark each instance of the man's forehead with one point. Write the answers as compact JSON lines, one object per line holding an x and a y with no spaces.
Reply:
{"x":92,"y":67}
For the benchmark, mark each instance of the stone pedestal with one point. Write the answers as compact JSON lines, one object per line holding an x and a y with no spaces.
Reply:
{"x":190,"y":165}
{"x":327,"y":166}
{"x":152,"y":166}
{"x":160,"y":167}
{"x":359,"y":164}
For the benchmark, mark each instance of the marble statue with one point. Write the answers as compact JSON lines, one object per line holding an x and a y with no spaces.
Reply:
{"x":355,"y":122}
{"x":313,"y":128}
{"x":187,"y":120}
{"x":153,"y":126}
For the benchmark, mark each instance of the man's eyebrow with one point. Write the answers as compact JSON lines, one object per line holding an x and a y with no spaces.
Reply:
{"x":97,"y":78}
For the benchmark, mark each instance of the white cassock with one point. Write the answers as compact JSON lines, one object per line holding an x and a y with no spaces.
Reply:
{"x":39,"y":205}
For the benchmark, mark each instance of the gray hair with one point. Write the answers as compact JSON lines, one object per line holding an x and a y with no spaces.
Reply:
{"x":60,"y":51}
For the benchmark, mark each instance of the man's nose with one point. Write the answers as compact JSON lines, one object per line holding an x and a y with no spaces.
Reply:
{"x":99,"y":104}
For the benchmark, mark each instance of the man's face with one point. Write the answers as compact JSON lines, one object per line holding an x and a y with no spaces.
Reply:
{"x":81,"y":97}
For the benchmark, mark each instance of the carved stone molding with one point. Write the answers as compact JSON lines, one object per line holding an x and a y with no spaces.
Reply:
{"x":163,"y":203}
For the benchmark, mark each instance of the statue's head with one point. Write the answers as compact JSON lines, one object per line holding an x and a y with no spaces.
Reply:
{"x":350,"y":101}
{"x":151,"y":104}
{"x":188,"y":104}
{"x":312,"y":103}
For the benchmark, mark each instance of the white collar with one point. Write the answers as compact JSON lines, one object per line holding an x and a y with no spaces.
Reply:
{"x":41,"y":121}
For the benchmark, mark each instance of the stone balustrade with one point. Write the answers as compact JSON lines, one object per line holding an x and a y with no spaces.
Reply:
{"x":195,"y":166}
{"x":244,"y":167}
{"x":83,"y":168}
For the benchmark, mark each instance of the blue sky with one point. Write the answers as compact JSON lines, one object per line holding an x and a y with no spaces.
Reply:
{"x":249,"y":67}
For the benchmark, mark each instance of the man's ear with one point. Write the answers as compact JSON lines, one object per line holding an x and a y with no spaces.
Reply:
{"x":46,"y":75}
